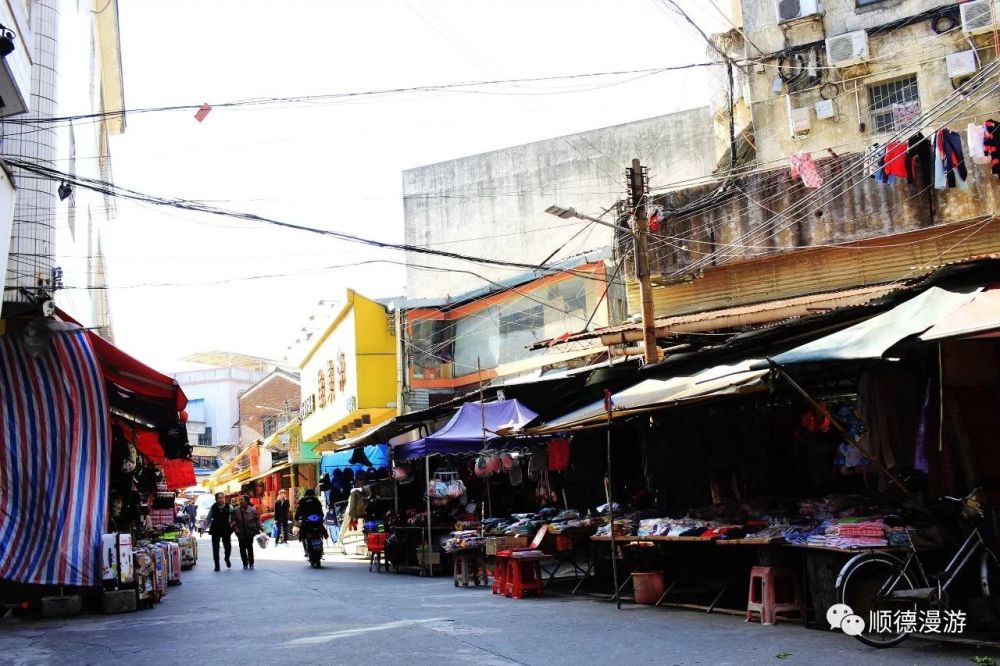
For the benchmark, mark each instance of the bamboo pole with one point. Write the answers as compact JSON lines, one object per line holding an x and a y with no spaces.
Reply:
{"x":848,"y":437}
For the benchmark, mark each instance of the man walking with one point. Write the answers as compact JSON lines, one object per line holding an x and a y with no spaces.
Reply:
{"x":220,"y":518}
{"x":191,"y":511}
{"x":246,"y":523}
{"x":281,"y":518}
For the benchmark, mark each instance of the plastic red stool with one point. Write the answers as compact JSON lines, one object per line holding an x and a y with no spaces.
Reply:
{"x":524,"y":575}
{"x":778,"y":592}
{"x":500,"y":572}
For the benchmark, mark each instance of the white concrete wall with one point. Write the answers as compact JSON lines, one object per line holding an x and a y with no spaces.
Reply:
{"x":493,"y":204}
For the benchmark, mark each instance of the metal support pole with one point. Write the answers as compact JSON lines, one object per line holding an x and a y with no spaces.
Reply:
{"x":427,"y":471}
{"x":611,"y":505}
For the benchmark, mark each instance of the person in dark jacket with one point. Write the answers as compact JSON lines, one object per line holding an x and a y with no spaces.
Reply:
{"x":281,"y":518}
{"x":220,"y":518}
{"x":309,"y":505}
{"x":191,"y":511}
{"x":246,"y":524}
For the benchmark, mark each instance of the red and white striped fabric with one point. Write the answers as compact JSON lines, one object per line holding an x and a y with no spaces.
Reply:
{"x":54,"y":442}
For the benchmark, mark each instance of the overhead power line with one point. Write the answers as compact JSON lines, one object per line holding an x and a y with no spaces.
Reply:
{"x":113,"y":190}
{"x":333,"y":97}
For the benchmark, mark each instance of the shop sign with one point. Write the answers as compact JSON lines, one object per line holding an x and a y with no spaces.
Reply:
{"x":331,"y":381}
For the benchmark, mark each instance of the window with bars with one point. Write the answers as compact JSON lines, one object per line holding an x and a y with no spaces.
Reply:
{"x":893,"y":104}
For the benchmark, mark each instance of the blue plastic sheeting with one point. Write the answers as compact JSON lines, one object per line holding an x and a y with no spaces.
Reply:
{"x":378,"y":454}
{"x":464,"y":432}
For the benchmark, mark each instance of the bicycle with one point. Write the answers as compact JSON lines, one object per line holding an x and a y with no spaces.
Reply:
{"x":877,"y":580}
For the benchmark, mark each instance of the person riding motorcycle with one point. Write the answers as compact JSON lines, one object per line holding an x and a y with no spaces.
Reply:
{"x":309,"y":505}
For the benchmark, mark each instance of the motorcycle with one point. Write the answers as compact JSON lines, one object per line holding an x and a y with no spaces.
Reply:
{"x":313,"y":532}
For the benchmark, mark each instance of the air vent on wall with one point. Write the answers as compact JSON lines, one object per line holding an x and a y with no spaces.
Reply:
{"x":848,"y":49}
{"x":977,"y":16}
{"x":793,"y":10}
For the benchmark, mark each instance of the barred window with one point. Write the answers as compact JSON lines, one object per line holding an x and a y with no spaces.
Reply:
{"x":893,"y":104}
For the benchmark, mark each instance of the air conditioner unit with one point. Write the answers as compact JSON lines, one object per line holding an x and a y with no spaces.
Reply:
{"x":799,"y":119}
{"x":977,"y":16}
{"x":793,"y":10}
{"x":848,"y":49}
{"x":961,"y":64}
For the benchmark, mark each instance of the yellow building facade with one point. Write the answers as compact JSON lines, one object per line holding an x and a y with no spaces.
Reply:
{"x":349,"y":377}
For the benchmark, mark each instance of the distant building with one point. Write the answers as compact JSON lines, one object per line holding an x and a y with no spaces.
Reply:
{"x":451,"y":345}
{"x":271,"y":403}
{"x":218,"y":391}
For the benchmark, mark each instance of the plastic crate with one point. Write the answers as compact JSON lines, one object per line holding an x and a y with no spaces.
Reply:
{"x":376,"y":542}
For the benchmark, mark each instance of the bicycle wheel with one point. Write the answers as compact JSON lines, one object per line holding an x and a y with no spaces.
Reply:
{"x":858,"y":585}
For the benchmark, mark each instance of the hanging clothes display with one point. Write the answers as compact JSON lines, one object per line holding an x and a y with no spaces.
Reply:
{"x":977,"y":143}
{"x":803,"y":165}
{"x":991,"y":145}
{"x":895,"y":160}
{"x":949,"y":163}
{"x":918,"y":160}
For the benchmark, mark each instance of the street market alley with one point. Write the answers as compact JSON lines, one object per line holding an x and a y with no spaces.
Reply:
{"x":284,"y":611}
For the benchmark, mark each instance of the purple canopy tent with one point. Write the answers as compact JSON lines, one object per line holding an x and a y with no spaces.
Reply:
{"x":468,"y":431}
{"x":464,"y":432}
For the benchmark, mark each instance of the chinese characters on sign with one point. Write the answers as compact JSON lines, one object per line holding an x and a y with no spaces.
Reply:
{"x":917,"y":622}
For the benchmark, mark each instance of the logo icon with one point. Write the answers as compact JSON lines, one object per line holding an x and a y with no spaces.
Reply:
{"x":836,"y":613}
{"x":852,"y":625}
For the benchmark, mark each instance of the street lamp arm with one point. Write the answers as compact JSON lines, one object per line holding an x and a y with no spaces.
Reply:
{"x":568,"y":213}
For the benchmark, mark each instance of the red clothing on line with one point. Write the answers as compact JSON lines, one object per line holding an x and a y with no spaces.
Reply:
{"x":895,"y":159}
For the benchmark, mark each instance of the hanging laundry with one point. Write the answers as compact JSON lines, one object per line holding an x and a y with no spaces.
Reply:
{"x":879,"y":165}
{"x":948,"y":153}
{"x":803,"y":165}
{"x":905,"y":113}
{"x":977,"y":144}
{"x":918,"y":159}
{"x":871,"y":159}
{"x":895,"y":160}
{"x":991,"y":144}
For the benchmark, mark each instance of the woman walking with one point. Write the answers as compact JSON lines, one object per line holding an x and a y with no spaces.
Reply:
{"x":246,"y":524}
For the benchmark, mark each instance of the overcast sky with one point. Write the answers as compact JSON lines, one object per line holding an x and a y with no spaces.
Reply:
{"x":338,"y":165}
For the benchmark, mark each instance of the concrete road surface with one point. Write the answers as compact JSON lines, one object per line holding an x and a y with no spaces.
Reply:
{"x":285,"y":612}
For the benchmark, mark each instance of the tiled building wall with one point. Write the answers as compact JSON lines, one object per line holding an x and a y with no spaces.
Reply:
{"x":33,"y":236}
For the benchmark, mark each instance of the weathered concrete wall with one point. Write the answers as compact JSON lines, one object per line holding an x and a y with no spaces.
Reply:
{"x":493,"y":205}
{"x":770,"y":212}
{"x":913,"y":50}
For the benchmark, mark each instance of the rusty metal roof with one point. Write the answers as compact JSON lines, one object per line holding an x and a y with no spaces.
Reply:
{"x":754,"y":315}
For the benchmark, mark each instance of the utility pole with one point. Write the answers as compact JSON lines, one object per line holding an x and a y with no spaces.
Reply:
{"x":638,"y":184}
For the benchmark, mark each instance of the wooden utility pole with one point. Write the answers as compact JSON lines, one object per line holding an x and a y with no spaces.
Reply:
{"x":637,"y":183}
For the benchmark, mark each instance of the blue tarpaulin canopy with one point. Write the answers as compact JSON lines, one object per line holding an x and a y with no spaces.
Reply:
{"x":464,"y":432}
{"x":378,"y":454}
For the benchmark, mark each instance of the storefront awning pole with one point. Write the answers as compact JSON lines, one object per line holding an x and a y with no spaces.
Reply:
{"x":848,"y":437}
{"x":611,"y":505}
{"x":427,"y":471}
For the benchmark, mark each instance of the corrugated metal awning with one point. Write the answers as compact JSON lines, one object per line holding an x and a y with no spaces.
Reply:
{"x":872,"y":338}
